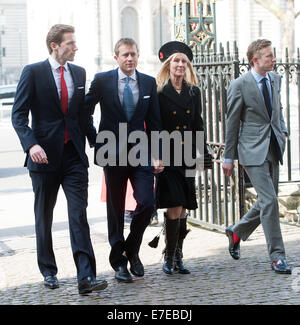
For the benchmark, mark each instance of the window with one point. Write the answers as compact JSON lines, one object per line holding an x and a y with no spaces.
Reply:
{"x":161,"y":28}
{"x":130,"y":24}
{"x":260,"y":28}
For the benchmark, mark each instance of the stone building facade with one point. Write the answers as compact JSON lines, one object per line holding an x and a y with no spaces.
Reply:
{"x":13,"y":39}
{"x":100,"y":23}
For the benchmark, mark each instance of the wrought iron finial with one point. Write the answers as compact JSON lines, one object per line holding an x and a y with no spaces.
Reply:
{"x":195,"y":24}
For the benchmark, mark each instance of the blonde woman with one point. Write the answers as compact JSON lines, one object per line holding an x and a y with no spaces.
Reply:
{"x":180,"y":105}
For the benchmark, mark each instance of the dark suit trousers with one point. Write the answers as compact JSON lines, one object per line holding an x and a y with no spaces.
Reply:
{"x":142,"y":181}
{"x":73,"y":176}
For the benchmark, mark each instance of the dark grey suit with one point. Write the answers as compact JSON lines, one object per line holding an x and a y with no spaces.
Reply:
{"x":248,"y":138}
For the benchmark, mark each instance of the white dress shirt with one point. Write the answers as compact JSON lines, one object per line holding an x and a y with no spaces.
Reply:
{"x":67,"y":75}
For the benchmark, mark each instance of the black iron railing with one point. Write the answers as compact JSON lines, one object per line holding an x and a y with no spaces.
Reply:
{"x":221,"y":199}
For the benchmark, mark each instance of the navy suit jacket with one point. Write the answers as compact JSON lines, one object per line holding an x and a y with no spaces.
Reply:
{"x":37,"y":93}
{"x":104,"y":90}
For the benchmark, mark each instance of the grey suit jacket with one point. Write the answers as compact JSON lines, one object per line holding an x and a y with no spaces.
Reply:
{"x":248,"y":125}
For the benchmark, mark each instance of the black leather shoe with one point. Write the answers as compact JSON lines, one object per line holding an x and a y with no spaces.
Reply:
{"x":136,"y":266}
{"x":122,"y":275}
{"x":234,"y":248}
{"x":51,"y":282}
{"x":178,"y":263}
{"x":180,"y":267}
{"x":281,"y":266}
{"x":168,"y":267}
{"x":88,"y":285}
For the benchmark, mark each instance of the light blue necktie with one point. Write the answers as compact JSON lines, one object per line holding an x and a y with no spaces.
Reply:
{"x":128,"y":103}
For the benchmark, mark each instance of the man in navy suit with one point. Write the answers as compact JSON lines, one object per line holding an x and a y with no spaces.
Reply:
{"x":129,"y":97}
{"x":53,"y":92}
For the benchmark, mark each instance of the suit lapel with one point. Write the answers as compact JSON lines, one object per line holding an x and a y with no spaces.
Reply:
{"x":141,"y":86}
{"x":74,"y":77}
{"x":52,"y":84}
{"x":272,"y":89}
{"x":142,"y":90}
{"x":116,"y":99}
{"x":115,"y":87}
{"x":77,"y":81}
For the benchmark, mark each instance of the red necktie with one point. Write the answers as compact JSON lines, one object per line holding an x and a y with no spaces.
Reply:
{"x":64,"y":99}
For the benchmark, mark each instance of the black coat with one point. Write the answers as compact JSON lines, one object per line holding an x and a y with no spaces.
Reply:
{"x":181,"y":112}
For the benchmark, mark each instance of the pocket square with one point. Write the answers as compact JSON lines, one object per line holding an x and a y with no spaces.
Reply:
{"x":82,"y":87}
{"x":146,"y":97}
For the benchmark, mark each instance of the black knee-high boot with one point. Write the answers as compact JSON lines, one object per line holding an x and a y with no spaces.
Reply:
{"x":171,"y":238}
{"x":178,"y":264}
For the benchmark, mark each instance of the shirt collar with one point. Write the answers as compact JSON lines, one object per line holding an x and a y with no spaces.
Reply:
{"x":122,"y":75}
{"x":258,"y":77}
{"x":55,"y":65}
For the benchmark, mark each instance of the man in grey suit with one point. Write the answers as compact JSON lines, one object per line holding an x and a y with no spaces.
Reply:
{"x":256,"y":136}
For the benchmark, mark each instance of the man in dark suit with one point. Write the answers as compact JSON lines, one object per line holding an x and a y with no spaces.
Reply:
{"x":53,"y":92}
{"x":130,"y":97}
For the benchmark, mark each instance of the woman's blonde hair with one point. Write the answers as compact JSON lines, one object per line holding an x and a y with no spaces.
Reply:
{"x":163,"y":75}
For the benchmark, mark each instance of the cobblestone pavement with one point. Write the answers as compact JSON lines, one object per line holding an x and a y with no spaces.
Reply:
{"x":215,"y":279}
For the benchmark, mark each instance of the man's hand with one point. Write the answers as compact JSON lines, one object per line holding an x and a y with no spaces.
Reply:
{"x":158,"y":166}
{"x":227,"y":168}
{"x":38,"y":155}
